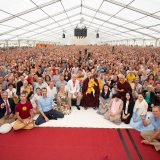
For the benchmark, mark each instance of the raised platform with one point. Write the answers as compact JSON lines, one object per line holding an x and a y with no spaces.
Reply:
{"x":83,"y":118}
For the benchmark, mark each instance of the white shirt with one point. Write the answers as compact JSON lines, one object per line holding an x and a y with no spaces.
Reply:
{"x":71,"y":88}
{"x":126,"y":109}
{"x":11,"y":92}
{"x":51,"y":92}
{"x":34,"y":99}
{"x":6,"y":101}
{"x":43,"y":85}
{"x":140,"y":107}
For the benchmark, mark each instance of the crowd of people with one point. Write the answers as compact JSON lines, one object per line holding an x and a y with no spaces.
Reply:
{"x":122,"y":84}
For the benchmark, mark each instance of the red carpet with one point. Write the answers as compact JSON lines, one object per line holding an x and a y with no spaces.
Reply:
{"x":147,"y":152}
{"x":70,"y":144}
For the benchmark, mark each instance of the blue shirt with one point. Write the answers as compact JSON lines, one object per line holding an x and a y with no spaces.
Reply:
{"x":155,"y":122}
{"x":45,"y":103}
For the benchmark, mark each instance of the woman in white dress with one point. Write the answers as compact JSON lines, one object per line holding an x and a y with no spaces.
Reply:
{"x":140,"y":108}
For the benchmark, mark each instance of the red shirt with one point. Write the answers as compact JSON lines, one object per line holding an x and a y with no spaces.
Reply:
{"x":24,"y":109}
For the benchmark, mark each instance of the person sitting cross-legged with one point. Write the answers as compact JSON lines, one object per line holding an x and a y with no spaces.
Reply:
{"x":104,"y":99}
{"x":115,"y":110}
{"x":47,"y":112}
{"x":151,"y":137}
{"x":24,"y":113}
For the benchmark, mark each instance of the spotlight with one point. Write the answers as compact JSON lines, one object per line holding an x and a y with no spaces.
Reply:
{"x":63,"y":36}
{"x":97,"y":35}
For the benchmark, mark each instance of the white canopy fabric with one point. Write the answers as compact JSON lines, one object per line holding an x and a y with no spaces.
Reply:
{"x":47,"y":20}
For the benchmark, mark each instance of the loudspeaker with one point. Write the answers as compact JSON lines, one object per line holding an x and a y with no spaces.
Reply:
{"x":63,"y":36}
{"x":97,"y":35}
{"x":80,"y":32}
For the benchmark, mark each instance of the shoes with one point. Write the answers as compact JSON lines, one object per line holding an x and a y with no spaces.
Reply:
{"x":78,"y":107}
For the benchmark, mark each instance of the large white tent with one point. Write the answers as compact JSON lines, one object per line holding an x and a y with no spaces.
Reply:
{"x":26,"y":22}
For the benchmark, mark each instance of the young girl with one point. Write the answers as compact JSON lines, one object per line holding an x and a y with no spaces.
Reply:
{"x":104,"y":99}
{"x":91,"y":85}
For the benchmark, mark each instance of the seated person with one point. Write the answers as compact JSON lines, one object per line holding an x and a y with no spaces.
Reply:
{"x":90,"y":91}
{"x":91,"y":85}
{"x":45,"y":106}
{"x":62,"y":101}
{"x":26,"y":87}
{"x":149,"y":96}
{"x":128,"y":105}
{"x":140,"y":108}
{"x":24,"y":113}
{"x":104,"y":99}
{"x":73,"y":88}
{"x":52,"y":90}
{"x":115,"y":110}
{"x":12,"y":93}
{"x":60,"y":82}
{"x":7,"y":109}
{"x":157,"y":94}
{"x":151,"y":137}
{"x":34,"y":100}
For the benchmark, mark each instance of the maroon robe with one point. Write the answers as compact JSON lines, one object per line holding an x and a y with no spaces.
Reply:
{"x":126,"y":87}
{"x":89,"y":100}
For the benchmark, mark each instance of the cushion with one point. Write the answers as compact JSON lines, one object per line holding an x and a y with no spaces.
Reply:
{"x":5,"y":128}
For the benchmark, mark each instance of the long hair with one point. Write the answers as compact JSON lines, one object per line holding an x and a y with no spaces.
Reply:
{"x":131,"y":97}
{"x":105,"y":96}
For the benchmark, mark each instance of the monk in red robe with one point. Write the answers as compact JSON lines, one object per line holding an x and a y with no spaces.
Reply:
{"x":90,"y":91}
{"x":123,"y":87}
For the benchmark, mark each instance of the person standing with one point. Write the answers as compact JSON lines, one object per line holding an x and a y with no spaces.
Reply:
{"x":123,"y":86}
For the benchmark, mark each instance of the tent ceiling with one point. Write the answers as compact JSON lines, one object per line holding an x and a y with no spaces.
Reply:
{"x":48,"y":19}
